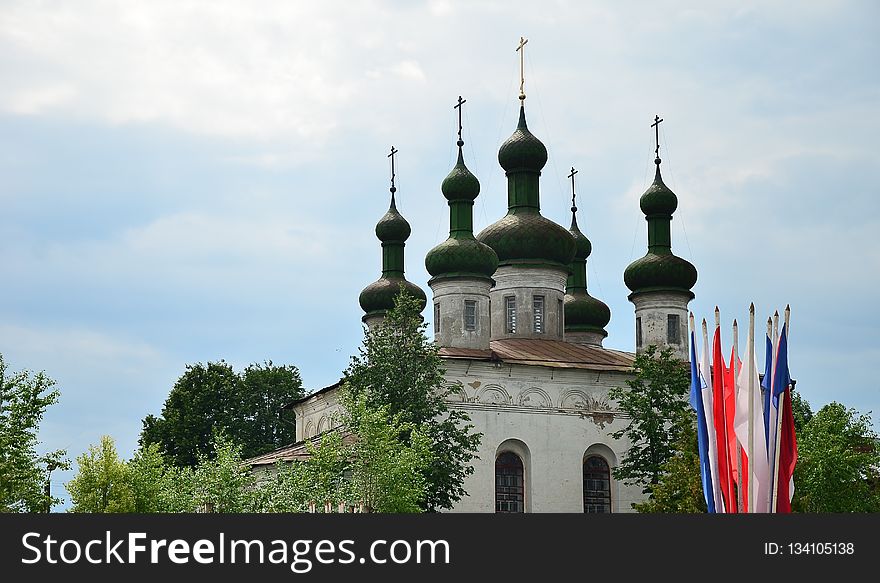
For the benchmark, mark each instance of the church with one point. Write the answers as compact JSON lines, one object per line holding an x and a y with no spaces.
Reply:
{"x":522,"y":338}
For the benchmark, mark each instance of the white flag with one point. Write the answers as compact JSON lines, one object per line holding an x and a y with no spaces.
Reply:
{"x":759,"y":469}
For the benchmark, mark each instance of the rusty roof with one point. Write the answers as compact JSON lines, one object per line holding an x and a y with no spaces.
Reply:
{"x":551,"y":353}
{"x":294,"y":452}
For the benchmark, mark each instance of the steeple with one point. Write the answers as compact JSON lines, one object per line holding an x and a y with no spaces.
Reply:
{"x":534,"y":253}
{"x":461,"y":255}
{"x":392,"y":230}
{"x":524,"y":237}
{"x":461,"y":267}
{"x":585,"y":316}
{"x":660,"y":281}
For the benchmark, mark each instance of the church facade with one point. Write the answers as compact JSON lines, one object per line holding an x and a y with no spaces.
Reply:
{"x":522,"y":338}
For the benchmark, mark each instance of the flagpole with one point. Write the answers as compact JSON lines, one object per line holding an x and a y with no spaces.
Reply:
{"x":751,"y":444}
{"x":779,"y":417}
{"x":774,"y":341}
{"x":739,"y":455}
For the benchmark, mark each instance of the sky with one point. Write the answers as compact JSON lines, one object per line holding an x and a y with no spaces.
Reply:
{"x":188,"y":181}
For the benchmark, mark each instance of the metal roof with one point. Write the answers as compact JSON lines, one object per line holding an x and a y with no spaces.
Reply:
{"x":550,"y":353}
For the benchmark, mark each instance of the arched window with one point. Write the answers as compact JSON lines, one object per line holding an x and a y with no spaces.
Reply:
{"x":509,"y":485}
{"x":597,"y":485}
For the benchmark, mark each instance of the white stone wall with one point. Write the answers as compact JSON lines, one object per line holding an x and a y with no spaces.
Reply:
{"x":316,"y":415}
{"x":654,"y":308}
{"x":451,"y":295}
{"x":523,"y":284}
{"x":551,"y":418}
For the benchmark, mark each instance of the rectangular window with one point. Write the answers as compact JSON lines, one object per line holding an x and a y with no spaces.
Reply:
{"x":638,"y":332}
{"x":470,"y":315}
{"x":436,"y":318}
{"x":672,"y":331}
{"x":560,"y":324}
{"x":510,"y":309}
{"x":538,"y":307}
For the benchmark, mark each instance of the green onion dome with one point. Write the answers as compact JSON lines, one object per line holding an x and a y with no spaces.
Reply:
{"x":392,"y":226}
{"x":522,"y":150}
{"x":460,"y":183}
{"x":461,"y":255}
{"x":583,"y":312}
{"x":529,"y":238}
{"x":658,"y":199}
{"x":378,"y":297}
{"x":660,"y":272}
{"x":659,"y":269}
{"x":523,"y":236}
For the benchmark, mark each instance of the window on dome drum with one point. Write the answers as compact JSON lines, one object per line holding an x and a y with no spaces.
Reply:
{"x":510,"y":309}
{"x":672,"y":329}
{"x":509,"y":484}
{"x":538,"y":306}
{"x":560,"y":325}
{"x":597,"y":486}
{"x":470,"y":315}
{"x":638,"y":332}
{"x":436,"y":318}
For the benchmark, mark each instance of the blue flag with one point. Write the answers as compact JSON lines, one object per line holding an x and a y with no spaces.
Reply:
{"x":696,"y":400}
{"x":782,"y":378}
{"x":765,"y":389}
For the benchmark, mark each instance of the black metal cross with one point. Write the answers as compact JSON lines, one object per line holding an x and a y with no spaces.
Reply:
{"x":522,"y":78}
{"x":656,"y":126}
{"x":573,"y":172}
{"x":458,"y":107}
{"x":391,"y":155}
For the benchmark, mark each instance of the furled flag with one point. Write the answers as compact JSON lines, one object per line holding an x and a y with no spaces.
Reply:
{"x":719,"y":418}
{"x":696,"y":400}
{"x":758,"y":470}
{"x":771,"y":404}
{"x":708,"y":408}
{"x":734,"y":449}
{"x":787,"y":442}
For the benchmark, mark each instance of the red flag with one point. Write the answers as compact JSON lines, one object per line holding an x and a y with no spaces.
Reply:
{"x":787,"y":456}
{"x":733,"y":447}
{"x":719,"y":416}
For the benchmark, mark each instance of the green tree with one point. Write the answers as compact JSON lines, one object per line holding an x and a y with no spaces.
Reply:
{"x":221,"y":482}
{"x":102,"y":483}
{"x":397,"y":367}
{"x":246,"y":406}
{"x":838,"y":466}
{"x":656,"y":403}
{"x":24,"y":474}
{"x":147,"y":476}
{"x":388,"y":458}
{"x":680,"y":489}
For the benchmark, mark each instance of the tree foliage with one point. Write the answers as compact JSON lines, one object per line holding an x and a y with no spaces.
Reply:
{"x":24,"y":398}
{"x":211,"y":397}
{"x":399,"y":369}
{"x":656,"y":402}
{"x":680,"y":489}
{"x":838,"y":466}
{"x":102,"y":483}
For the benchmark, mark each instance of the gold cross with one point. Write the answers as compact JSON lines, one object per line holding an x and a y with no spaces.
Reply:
{"x":522,"y":78}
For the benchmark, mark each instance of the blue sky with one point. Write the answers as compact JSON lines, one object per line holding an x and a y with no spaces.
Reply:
{"x":188,"y":181}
